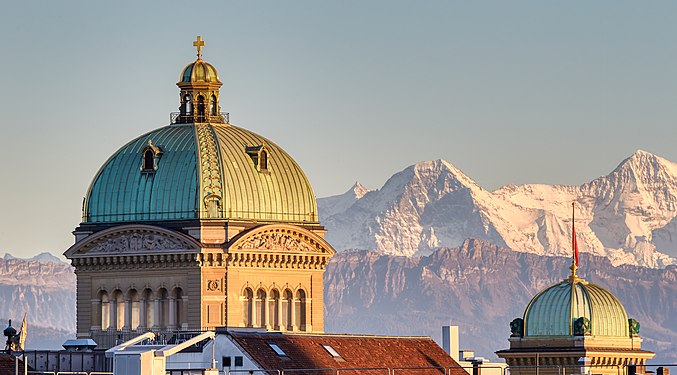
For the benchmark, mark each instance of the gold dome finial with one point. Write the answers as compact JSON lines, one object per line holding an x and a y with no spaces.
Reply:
{"x":199,"y":43}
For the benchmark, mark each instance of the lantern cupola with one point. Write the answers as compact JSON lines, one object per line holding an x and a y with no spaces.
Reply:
{"x":199,"y":97}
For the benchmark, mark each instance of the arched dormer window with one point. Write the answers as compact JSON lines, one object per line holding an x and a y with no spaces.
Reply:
{"x":148,"y":160}
{"x":259,"y":155}
{"x":149,"y":156}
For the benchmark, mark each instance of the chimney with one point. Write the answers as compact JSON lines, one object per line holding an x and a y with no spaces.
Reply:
{"x":450,"y":341}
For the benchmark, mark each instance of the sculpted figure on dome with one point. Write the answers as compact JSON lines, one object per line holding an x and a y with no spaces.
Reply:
{"x":582,"y":326}
{"x":517,"y":327}
{"x":634,"y":327}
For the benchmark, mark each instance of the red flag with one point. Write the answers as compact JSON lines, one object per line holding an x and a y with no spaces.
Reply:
{"x":575,"y":246}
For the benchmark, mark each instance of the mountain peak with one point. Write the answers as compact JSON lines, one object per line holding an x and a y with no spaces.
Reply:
{"x":643,"y":164}
{"x":442,"y":167}
{"x":358,"y":190}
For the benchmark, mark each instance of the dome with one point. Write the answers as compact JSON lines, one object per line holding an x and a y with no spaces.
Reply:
{"x":200,"y":171}
{"x":199,"y":71}
{"x":557,"y":310}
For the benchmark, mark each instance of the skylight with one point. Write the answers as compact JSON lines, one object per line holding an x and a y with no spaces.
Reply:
{"x":277,"y":350}
{"x":331,"y":351}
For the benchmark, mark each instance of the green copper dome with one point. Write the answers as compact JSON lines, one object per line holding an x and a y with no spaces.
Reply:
{"x":200,"y":171}
{"x":556,"y":310}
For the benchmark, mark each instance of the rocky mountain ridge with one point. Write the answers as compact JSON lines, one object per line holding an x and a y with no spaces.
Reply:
{"x":44,"y":289}
{"x":627,"y":216}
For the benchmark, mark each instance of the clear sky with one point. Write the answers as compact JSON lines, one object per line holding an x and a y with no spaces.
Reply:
{"x":509,"y":91}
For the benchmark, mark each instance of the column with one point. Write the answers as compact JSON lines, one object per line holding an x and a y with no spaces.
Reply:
{"x":172,"y":313}
{"x":127,"y":315}
{"x":113,"y":315}
{"x":95,"y":322}
{"x":143,"y":318}
{"x":293,"y":314}
{"x":156,"y":313}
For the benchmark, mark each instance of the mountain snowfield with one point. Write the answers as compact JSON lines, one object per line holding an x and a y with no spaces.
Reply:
{"x":627,"y":216}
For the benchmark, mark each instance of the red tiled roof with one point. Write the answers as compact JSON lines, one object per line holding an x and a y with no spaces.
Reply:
{"x":307,"y":352}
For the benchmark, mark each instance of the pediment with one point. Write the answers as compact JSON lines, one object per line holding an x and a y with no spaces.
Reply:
{"x":281,"y":238}
{"x":132,"y":240}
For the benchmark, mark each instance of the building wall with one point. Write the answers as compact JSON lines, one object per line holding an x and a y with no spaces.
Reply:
{"x":165,"y":280}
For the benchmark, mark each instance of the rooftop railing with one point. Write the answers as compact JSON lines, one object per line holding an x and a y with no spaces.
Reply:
{"x":178,"y":118}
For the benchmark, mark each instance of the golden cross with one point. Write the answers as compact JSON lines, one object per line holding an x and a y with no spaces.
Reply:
{"x":199,"y":43}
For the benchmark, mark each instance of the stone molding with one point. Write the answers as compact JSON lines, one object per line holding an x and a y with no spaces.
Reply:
{"x":279,"y":261}
{"x":131,"y":262}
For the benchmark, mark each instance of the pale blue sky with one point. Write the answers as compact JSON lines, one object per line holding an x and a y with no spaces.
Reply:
{"x":508,"y":91}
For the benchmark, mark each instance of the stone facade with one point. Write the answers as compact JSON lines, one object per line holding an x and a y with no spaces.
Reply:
{"x":133,"y":278}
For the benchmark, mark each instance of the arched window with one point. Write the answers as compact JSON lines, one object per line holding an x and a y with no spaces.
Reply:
{"x":162,"y":308}
{"x":214,"y":110}
{"x":287,"y":306}
{"x":149,"y":157}
{"x":149,"y":160}
{"x":134,"y":320}
{"x":300,"y":303}
{"x":148,"y":301}
{"x":187,"y":105}
{"x":201,"y":108}
{"x":177,"y":300}
{"x":261,"y":308}
{"x":247,"y":307}
{"x":117,"y":310}
{"x":274,"y":309}
{"x":105,"y":310}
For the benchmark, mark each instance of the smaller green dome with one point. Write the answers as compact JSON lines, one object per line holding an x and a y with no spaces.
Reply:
{"x":200,"y":71}
{"x":558,"y":309}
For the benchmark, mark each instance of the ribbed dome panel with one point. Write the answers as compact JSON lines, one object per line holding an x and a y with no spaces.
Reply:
{"x":192,"y":169}
{"x":281,"y":193}
{"x":120,"y":192}
{"x":553,"y":311}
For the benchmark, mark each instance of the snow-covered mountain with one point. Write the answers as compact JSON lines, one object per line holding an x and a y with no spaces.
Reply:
{"x":627,"y":216}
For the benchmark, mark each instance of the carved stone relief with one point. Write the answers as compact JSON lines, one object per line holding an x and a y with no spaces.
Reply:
{"x":213,"y":285}
{"x":210,"y":170}
{"x":276,"y":241}
{"x":136,"y":242}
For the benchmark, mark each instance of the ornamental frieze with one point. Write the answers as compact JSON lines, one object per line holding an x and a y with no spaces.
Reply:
{"x":136,"y":242}
{"x":275,"y":241}
{"x":210,"y":169}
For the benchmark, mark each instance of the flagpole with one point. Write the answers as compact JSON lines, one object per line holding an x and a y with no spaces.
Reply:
{"x":574,"y":245}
